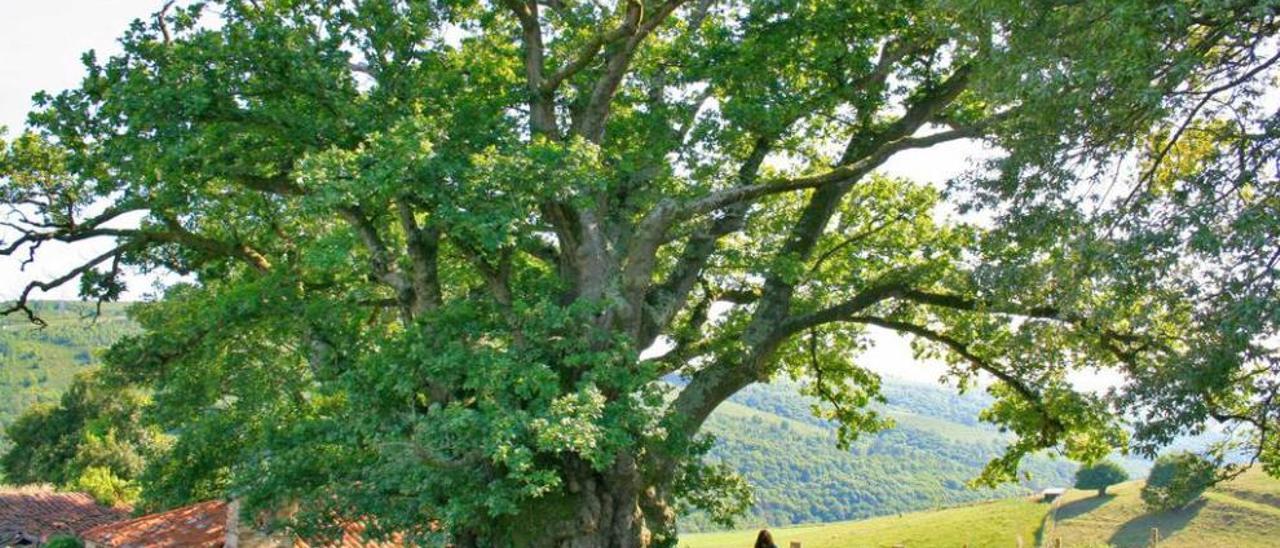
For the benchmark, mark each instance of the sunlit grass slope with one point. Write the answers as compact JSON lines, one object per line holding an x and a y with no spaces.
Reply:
{"x":1243,"y":513}
{"x":986,"y":524}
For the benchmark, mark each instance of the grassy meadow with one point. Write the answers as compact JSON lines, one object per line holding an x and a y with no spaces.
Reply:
{"x":1243,"y":513}
{"x":998,"y":523}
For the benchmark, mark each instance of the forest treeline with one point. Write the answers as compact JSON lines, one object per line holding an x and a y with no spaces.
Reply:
{"x":38,"y":364}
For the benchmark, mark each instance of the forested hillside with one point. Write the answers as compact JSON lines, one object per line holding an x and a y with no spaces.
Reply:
{"x":769,"y":435}
{"x":37,"y":364}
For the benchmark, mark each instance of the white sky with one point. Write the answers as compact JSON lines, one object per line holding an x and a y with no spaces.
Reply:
{"x":41,"y":42}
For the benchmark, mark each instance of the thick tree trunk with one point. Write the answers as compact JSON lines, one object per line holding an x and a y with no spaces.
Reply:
{"x":610,"y":509}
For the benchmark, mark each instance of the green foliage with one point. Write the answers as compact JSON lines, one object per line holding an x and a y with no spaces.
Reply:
{"x":105,"y":487}
{"x":427,"y":245}
{"x":1100,"y":475}
{"x":38,"y":364}
{"x":717,"y":491}
{"x":770,"y":448}
{"x":94,"y":440}
{"x":1177,"y":480}
{"x":63,"y":541}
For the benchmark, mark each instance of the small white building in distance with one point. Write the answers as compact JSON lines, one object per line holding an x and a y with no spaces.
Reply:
{"x":1048,"y":495}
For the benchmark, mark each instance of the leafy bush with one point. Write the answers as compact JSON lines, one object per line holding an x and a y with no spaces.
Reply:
{"x":63,"y":541}
{"x":1100,"y":475}
{"x":95,"y":424}
{"x":105,"y":487}
{"x":1177,"y":480}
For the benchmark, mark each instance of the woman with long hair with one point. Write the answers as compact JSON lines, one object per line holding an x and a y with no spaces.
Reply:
{"x":765,"y":540}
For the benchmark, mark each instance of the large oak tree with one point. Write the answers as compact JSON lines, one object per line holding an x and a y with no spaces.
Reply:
{"x":428,"y":243}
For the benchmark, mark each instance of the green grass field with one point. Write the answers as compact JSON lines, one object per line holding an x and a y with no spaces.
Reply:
{"x":1243,"y":513}
{"x":998,"y":523}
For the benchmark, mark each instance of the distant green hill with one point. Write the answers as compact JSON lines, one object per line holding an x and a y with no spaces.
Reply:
{"x":1243,"y":513}
{"x":37,"y":364}
{"x":770,"y":436}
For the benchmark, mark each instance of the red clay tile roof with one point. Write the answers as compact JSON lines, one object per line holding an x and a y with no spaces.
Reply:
{"x":204,"y":525}
{"x":352,"y":537}
{"x":33,"y":515}
{"x":199,"y":525}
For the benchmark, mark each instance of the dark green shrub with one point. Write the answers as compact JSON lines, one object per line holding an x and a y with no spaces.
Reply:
{"x":1100,"y":475}
{"x":1177,"y":480}
{"x":63,"y":541}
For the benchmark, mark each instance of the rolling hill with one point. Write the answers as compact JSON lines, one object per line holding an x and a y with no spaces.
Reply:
{"x":1243,"y":513}
{"x":37,"y":364}
{"x":770,"y":436}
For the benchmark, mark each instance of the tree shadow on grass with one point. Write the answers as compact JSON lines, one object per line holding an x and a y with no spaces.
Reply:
{"x":1068,"y":511}
{"x":1082,"y":506}
{"x":1137,"y":532}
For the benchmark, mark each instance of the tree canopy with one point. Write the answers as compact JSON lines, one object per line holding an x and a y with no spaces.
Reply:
{"x":1176,"y":481}
{"x":429,"y":243}
{"x":1100,"y":475}
{"x":95,"y":440}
